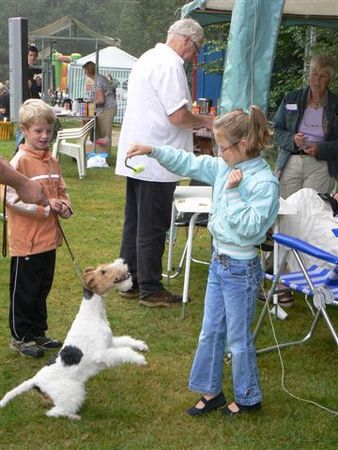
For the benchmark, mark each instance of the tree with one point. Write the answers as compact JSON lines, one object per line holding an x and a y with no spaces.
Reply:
{"x":143,"y":23}
{"x":138,"y":23}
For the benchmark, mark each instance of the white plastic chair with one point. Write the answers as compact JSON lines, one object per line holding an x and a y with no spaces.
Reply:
{"x":72,"y":142}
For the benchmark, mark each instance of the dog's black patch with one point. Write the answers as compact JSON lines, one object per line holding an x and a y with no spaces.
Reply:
{"x":87,"y":294}
{"x":52,"y":360}
{"x":70,"y":355}
{"x":37,"y":389}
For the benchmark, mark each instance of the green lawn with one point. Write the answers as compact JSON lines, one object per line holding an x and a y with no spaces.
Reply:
{"x":132,"y":408}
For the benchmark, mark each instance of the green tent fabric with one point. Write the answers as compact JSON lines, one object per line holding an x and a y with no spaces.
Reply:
{"x":252,"y":39}
{"x":321,"y":13}
{"x":248,"y":65}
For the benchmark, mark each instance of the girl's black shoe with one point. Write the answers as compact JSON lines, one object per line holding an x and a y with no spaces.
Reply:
{"x":209,"y":405}
{"x":226,"y":411}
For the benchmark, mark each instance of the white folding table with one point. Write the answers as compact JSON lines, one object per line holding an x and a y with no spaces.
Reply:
{"x":187,"y":199}
{"x":197,"y":200}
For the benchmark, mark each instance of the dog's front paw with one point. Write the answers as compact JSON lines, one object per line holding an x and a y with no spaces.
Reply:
{"x":140,"y":346}
{"x":140,"y":360}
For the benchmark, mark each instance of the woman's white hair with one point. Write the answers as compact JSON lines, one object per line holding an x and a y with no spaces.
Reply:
{"x":324,"y":61}
{"x":188,"y":27}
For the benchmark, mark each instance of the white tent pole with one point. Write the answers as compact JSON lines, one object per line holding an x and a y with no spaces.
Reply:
{"x":310,"y":40}
{"x":97,"y":49}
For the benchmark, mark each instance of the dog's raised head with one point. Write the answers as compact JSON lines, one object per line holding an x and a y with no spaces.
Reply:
{"x":106,"y":277}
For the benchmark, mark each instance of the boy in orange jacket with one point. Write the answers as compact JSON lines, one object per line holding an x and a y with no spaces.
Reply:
{"x":33,"y":232}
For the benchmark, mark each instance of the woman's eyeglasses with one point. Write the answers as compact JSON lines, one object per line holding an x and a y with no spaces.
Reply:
{"x":222,"y":149}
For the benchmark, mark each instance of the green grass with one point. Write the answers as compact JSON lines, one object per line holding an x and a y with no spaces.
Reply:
{"x":132,"y":408}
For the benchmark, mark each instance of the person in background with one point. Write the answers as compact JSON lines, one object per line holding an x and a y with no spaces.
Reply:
{"x":158,"y":112}
{"x":105,"y":103}
{"x":33,"y":232}
{"x":112,"y":82}
{"x":34,"y":73}
{"x":4,"y":103}
{"x":28,"y":191}
{"x":245,"y":204}
{"x":34,"y":84}
{"x":306,"y":125}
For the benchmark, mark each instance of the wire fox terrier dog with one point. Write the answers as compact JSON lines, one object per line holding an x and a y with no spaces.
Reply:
{"x":89,"y":346}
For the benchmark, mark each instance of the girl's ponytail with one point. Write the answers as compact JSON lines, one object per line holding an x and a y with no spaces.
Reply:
{"x":259,"y":135}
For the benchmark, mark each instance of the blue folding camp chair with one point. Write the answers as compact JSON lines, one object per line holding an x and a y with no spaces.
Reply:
{"x":319,"y":283}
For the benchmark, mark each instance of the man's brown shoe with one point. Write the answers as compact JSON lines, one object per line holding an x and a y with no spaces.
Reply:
{"x":131,"y":293}
{"x":161,"y":298}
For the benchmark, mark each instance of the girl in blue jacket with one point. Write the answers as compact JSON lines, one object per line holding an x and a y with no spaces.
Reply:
{"x":245,"y":204}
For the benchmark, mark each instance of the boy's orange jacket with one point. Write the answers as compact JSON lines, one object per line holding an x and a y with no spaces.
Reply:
{"x":32,"y":228}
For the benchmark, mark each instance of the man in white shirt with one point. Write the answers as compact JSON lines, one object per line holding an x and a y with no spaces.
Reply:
{"x":157,"y":113}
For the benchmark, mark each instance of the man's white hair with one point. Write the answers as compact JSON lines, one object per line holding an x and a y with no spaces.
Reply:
{"x":188,"y":27}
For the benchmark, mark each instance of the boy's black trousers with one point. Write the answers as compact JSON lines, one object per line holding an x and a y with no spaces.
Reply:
{"x":31,"y":279}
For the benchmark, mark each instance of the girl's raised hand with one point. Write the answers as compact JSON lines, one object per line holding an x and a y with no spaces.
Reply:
{"x":234,"y":178}
{"x":139,"y":149}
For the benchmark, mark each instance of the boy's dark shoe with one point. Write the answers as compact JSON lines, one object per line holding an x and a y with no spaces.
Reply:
{"x":26,"y":348}
{"x":47,"y":343}
{"x":161,"y":298}
{"x":131,"y":293}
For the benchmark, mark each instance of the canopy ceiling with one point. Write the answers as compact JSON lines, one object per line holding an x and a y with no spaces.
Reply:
{"x":323,"y":13}
{"x":73,"y":25}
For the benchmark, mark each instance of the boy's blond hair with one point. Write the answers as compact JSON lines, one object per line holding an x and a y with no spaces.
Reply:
{"x":35,"y":111}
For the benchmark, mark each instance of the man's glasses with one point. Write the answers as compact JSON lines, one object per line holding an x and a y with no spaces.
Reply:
{"x":197,"y":48}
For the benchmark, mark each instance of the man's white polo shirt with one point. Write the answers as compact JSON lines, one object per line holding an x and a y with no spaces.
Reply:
{"x":157,"y":87}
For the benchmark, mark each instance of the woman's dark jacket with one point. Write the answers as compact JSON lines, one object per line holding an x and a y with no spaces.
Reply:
{"x":287,"y":121}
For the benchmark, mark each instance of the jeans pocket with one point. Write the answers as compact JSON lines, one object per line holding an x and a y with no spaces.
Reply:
{"x":238,"y":269}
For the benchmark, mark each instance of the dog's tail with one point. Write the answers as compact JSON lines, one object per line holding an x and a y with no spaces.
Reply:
{"x":23,"y":387}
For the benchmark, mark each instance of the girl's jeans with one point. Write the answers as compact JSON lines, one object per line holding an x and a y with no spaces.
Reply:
{"x":230,"y":302}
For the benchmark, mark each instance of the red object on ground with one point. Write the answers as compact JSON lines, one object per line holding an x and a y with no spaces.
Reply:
{"x":101,"y":141}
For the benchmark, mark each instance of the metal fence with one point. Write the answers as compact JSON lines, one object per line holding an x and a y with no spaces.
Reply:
{"x":76,"y":83}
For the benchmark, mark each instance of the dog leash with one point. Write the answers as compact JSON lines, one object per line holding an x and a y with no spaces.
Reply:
{"x":75,"y":263}
{"x":4,"y":226}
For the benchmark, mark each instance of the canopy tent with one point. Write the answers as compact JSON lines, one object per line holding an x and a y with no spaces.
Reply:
{"x":73,"y":26}
{"x":111,"y":57}
{"x":252,"y":40}
{"x":54,"y":32}
{"x":77,"y":32}
{"x":323,"y":13}
{"x":113,"y":62}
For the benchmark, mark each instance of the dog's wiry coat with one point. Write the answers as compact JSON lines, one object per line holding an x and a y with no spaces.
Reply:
{"x":88,"y":348}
